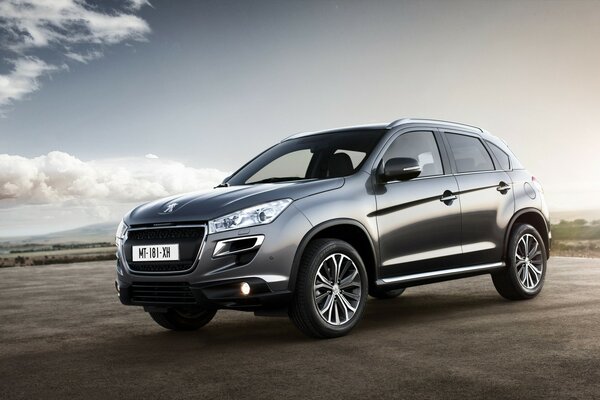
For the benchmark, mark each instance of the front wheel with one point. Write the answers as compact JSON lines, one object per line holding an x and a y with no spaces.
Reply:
{"x":525,"y":271}
{"x":183,"y":319}
{"x":331,"y":289}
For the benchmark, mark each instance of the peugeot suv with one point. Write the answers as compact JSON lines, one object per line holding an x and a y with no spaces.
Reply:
{"x":315,"y":224}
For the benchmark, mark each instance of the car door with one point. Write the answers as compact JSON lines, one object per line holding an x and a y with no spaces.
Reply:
{"x":418,"y":220}
{"x":486,"y":198}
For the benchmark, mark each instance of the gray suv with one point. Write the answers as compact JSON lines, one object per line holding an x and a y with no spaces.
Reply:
{"x":316,"y":223}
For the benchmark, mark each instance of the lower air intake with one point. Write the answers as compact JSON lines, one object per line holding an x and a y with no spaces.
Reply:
{"x":162,"y":293}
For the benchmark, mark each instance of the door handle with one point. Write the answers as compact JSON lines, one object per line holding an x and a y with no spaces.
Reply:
{"x":448,"y":197}
{"x":503,"y":187}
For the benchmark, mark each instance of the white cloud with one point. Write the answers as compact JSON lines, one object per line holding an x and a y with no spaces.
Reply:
{"x":58,"y":191}
{"x":59,"y":177}
{"x":39,"y":23}
{"x":74,"y":27}
{"x":151,"y":156}
{"x":23,"y":79}
{"x":84,"y":57}
{"x":137,"y":4}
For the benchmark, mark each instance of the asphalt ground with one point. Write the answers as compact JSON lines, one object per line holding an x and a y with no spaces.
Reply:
{"x":64,"y":335}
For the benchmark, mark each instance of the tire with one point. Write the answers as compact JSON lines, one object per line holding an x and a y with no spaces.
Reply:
{"x":382,"y":294}
{"x":177,"y":319}
{"x":320,"y":309}
{"x":523,"y":277}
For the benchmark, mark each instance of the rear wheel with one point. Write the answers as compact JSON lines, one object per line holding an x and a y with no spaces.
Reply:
{"x":331,"y":290}
{"x":523,"y":277}
{"x":382,"y":294}
{"x":183,"y":319}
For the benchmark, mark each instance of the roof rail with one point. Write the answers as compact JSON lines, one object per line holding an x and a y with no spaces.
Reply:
{"x":345,"y":128}
{"x":403,"y":121}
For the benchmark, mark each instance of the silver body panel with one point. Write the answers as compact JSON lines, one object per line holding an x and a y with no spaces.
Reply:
{"x":415,"y":235}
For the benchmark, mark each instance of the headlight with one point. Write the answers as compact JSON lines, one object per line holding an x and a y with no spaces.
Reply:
{"x":257,"y":215}
{"x":121,"y":231}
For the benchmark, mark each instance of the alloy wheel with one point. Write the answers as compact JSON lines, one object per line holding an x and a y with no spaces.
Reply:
{"x":337,"y":289}
{"x":529,"y":261}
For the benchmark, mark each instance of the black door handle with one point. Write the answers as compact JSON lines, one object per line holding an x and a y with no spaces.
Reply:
{"x":448,"y":197}
{"x":503,"y":187}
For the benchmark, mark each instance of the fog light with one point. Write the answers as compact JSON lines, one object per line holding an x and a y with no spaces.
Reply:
{"x":245,"y":288}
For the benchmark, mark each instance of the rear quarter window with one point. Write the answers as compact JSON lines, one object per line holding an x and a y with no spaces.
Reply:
{"x":501,"y":156}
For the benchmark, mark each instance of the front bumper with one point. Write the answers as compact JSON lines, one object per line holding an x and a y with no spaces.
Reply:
{"x":215,"y":280}
{"x":222,"y":294}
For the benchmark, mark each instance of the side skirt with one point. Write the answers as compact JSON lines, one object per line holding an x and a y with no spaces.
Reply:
{"x":439,"y":276}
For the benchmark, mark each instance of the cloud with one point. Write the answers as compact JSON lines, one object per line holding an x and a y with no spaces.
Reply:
{"x":59,"y":177}
{"x":137,"y":4}
{"x":151,"y":156}
{"x":84,"y":58}
{"x":23,"y":79}
{"x":75,"y":28}
{"x":40,"y":23}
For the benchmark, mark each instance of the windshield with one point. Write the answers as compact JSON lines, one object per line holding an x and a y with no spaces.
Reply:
{"x":321,"y":156}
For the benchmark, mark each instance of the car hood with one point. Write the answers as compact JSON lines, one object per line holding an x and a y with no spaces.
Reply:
{"x":204,"y":206}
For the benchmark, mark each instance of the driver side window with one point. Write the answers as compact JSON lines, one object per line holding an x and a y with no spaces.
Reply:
{"x":422,"y":147}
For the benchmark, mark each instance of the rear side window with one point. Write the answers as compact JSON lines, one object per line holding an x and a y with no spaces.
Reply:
{"x":469,"y":153}
{"x":501,"y":156}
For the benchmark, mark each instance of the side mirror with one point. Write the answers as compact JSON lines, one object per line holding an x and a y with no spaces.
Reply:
{"x":224,"y":183}
{"x":400,"y":169}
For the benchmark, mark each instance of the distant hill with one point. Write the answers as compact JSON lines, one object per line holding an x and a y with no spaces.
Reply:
{"x":104,"y":232}
{"x":589,"y":215}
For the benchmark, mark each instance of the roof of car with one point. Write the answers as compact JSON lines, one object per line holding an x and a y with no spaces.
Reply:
{"x":394,"y":124}
{"x":374,"y":127}
{"x":449,"y":124}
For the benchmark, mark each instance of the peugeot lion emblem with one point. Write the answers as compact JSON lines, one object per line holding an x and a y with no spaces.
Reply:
{"x":170,"y":208}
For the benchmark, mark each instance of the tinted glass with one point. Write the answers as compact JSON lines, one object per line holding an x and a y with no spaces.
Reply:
{"x":356,"y":157}
{"x":469,"y":153}
{"x":318,"y":156}
{"x":422,"y":147}
{"x":292,"y":165}
{"x":514,"y":161}
{"x":501,"y":156}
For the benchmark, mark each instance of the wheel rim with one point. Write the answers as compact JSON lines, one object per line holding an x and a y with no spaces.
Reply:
{"x":337,"y":289}
{"x":529,"y":261}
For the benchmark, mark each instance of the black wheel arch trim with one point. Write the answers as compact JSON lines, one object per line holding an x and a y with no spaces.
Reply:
{"x":314,"y":231}
{"x":511,"y":224}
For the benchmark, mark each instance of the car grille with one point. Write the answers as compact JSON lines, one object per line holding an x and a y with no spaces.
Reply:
{"x":162,"y":293}
{"x":154,"y":267}
{"x":166,"y":234}
{"x":189,"y":240}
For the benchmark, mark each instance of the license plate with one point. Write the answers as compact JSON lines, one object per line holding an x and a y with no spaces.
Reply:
{"x":159,"y":252}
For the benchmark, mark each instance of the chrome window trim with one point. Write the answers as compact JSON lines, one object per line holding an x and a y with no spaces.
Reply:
{"x":419,"y":178}
{"x":479,"y":172}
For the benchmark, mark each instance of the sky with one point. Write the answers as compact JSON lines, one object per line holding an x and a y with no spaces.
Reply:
{"x":107,"y":104}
